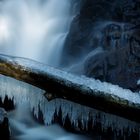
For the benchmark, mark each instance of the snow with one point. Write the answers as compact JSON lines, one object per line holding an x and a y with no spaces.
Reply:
{"x":20,"y":92}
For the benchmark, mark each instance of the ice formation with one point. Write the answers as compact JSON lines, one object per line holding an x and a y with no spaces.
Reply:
{"x":138,"y":82}
{"x":20,"y":91}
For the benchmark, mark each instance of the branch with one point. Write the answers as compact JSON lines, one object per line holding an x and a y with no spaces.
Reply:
{"x":79,"y":89}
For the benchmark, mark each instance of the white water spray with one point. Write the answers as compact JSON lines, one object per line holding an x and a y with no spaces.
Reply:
{"x":34,"y":29}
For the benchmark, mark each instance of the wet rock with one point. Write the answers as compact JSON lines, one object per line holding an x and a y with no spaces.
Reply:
{"x":79,"y":40}
{"x":4,"y":125}
{"x":131,"y":11}
{"x":135,"y":47}
{"x":114,"y":26}
{"x":120,"y":61}
{"x":7,"y":104}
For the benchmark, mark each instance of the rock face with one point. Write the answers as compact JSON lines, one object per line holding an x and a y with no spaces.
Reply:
{"x":113,"y":26}
{"x":4,"y":125}
{"x":119,"y":63}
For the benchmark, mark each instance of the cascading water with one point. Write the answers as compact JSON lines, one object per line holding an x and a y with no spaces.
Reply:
{"x":34,"y":29}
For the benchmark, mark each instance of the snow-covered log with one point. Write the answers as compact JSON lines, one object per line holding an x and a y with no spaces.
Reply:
{"x":80,"y":89}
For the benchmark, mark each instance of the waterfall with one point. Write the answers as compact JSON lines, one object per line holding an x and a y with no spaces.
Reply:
{"x":34,"y":29}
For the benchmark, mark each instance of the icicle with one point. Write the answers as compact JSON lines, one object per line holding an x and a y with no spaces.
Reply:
{"x":77,"y":113}
{"x":22,"y":91}
{"x":19,"y":90}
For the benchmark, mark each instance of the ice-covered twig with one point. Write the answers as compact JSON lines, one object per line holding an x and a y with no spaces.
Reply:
{"x":60,"y":84}
{"x":138,"y":82}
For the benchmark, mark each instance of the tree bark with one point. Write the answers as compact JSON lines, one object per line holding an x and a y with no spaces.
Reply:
{"x":60,"y":84}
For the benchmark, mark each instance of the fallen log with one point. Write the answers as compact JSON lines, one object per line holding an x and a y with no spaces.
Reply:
{"x":80,"y":89}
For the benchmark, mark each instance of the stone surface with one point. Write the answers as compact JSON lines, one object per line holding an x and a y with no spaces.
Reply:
{"x":119,"y":63}
{"x":114,"y":26}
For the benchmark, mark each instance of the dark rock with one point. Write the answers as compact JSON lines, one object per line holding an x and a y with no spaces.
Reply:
{"x":79,"y":38}
{"x":7,"y":104}
{"x":114,"y":26}
{"x":120,"y":61}
{"x":4,"y":125}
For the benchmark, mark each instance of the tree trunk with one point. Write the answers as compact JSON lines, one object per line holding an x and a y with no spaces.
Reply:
{"x":82,"y":90}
